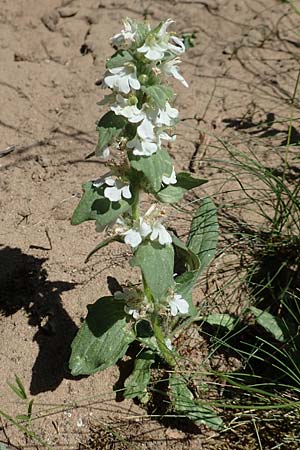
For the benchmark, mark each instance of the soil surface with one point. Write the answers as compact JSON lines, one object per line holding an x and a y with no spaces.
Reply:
{"x":241,"y":72}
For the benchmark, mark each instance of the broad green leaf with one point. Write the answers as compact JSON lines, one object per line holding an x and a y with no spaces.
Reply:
{"x":221,"y":320}
{"x":153,"y":167}
{"x":136,"y":384}
{"x":159,"y":94}
{"x":156,"y":263}
{"x":120,"y":58}
{"x":109,"y":127}
{"x":94,"y":206}
{"x":184,"y":403}
{"x":203,"y":235}
{"x":103,"y":338}
{"x":270,"y":323}
{"x":175,"y":192}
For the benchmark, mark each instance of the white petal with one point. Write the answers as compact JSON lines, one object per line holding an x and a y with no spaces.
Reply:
{"x":132,"y":238}
{"x":178,"y":48}
{"x":181,"y":304}
{"x":173,"y":308}
{"x":134,"y":82}
{"x":110,"y":181}
{"x":145,"y":130}
{"x":170,"y":179}
{"x":126,"y":192}
{"x":164,"y":27}
{"x":113,"y":194}
{"x":145,"y":229}
{"x":123,"y":84}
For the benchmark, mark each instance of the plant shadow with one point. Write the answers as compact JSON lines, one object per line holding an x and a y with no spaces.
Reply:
{"x":25,"y":286}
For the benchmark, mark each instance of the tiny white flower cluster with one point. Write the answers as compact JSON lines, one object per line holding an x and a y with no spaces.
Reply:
{"x":160,"y":51}
{"x":136,"y":303}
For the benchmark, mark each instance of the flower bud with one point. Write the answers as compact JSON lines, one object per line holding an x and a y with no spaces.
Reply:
{"x":143,"y":79}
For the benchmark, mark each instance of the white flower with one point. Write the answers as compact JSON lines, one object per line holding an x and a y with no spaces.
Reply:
{"x":144,"y":142}
{"x":178,"y":48}
{"x":142,"y":147}
{"x":135,"y":313}
{"x":159,"y":232}
{"x":152,"y":49}
{"x":170,"y":179}
{"x":127,"y":34}
{"x":127,"y":107}
{"x":166,"y":116}
{"x":171,"y":68}
{"x":135,"y":236}
{"x":178,"y":305}
{"x":116,"y":189}
{"x":158,"y":43}
{"x":122,"y":78}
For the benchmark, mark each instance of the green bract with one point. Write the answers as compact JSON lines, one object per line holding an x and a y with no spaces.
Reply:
{"x":131,"y":142}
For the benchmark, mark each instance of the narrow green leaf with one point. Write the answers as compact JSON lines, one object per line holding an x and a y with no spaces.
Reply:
{"x":136,"y":384}
{"x":18,"y":388}
{"x":159,"y":94}
{"x":175,"y":192}
{"x":103,"y":338}
{"x":274,"y":325}
{"x":23,"y":417}
{"x":152,"y":167}
{"x":102,"y":244}
{"x":94,"y":206}
{"x":221,"y":320}
{"x":203,"y":235}
{"x":156,"y":263}
{"x":184,"y":403}
{"x":29,"y":409}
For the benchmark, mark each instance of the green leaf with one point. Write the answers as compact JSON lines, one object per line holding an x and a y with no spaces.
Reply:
{"x":145,"y":335}
{"x":159,"y":94}
{"x":221,"y":320}
{"x":152,"y":167}
{"x":185,"y":404}
{"x":94,"y":206}
{"x":103,"y":338}
{"x":109,"y":127}
{"x":274,"y":325}
{"x":18,"y":388}
{"x":118,"y":59}
{"x":3,"y":446}
{"x":174,"y":193}
{"x":102,"y":244}
{"x":136,"y":384}
{"x":188,"y":265}
{"x":156,"y":263}
{"x":203,"y":235}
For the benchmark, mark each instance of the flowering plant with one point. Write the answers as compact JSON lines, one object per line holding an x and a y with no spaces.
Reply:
{"x":131,"y":135}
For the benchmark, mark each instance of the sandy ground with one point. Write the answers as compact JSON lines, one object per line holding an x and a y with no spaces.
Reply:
{"x":241,"y":72}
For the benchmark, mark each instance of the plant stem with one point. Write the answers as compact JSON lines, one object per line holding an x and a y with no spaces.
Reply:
{"x":136,"y":207}
{"x":160,"y":339}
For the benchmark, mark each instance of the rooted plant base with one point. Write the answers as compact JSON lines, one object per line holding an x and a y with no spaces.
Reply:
{"x":52,"y":53}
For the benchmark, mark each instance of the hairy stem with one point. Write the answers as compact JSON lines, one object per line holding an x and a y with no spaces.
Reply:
{"x":160,"y":339}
